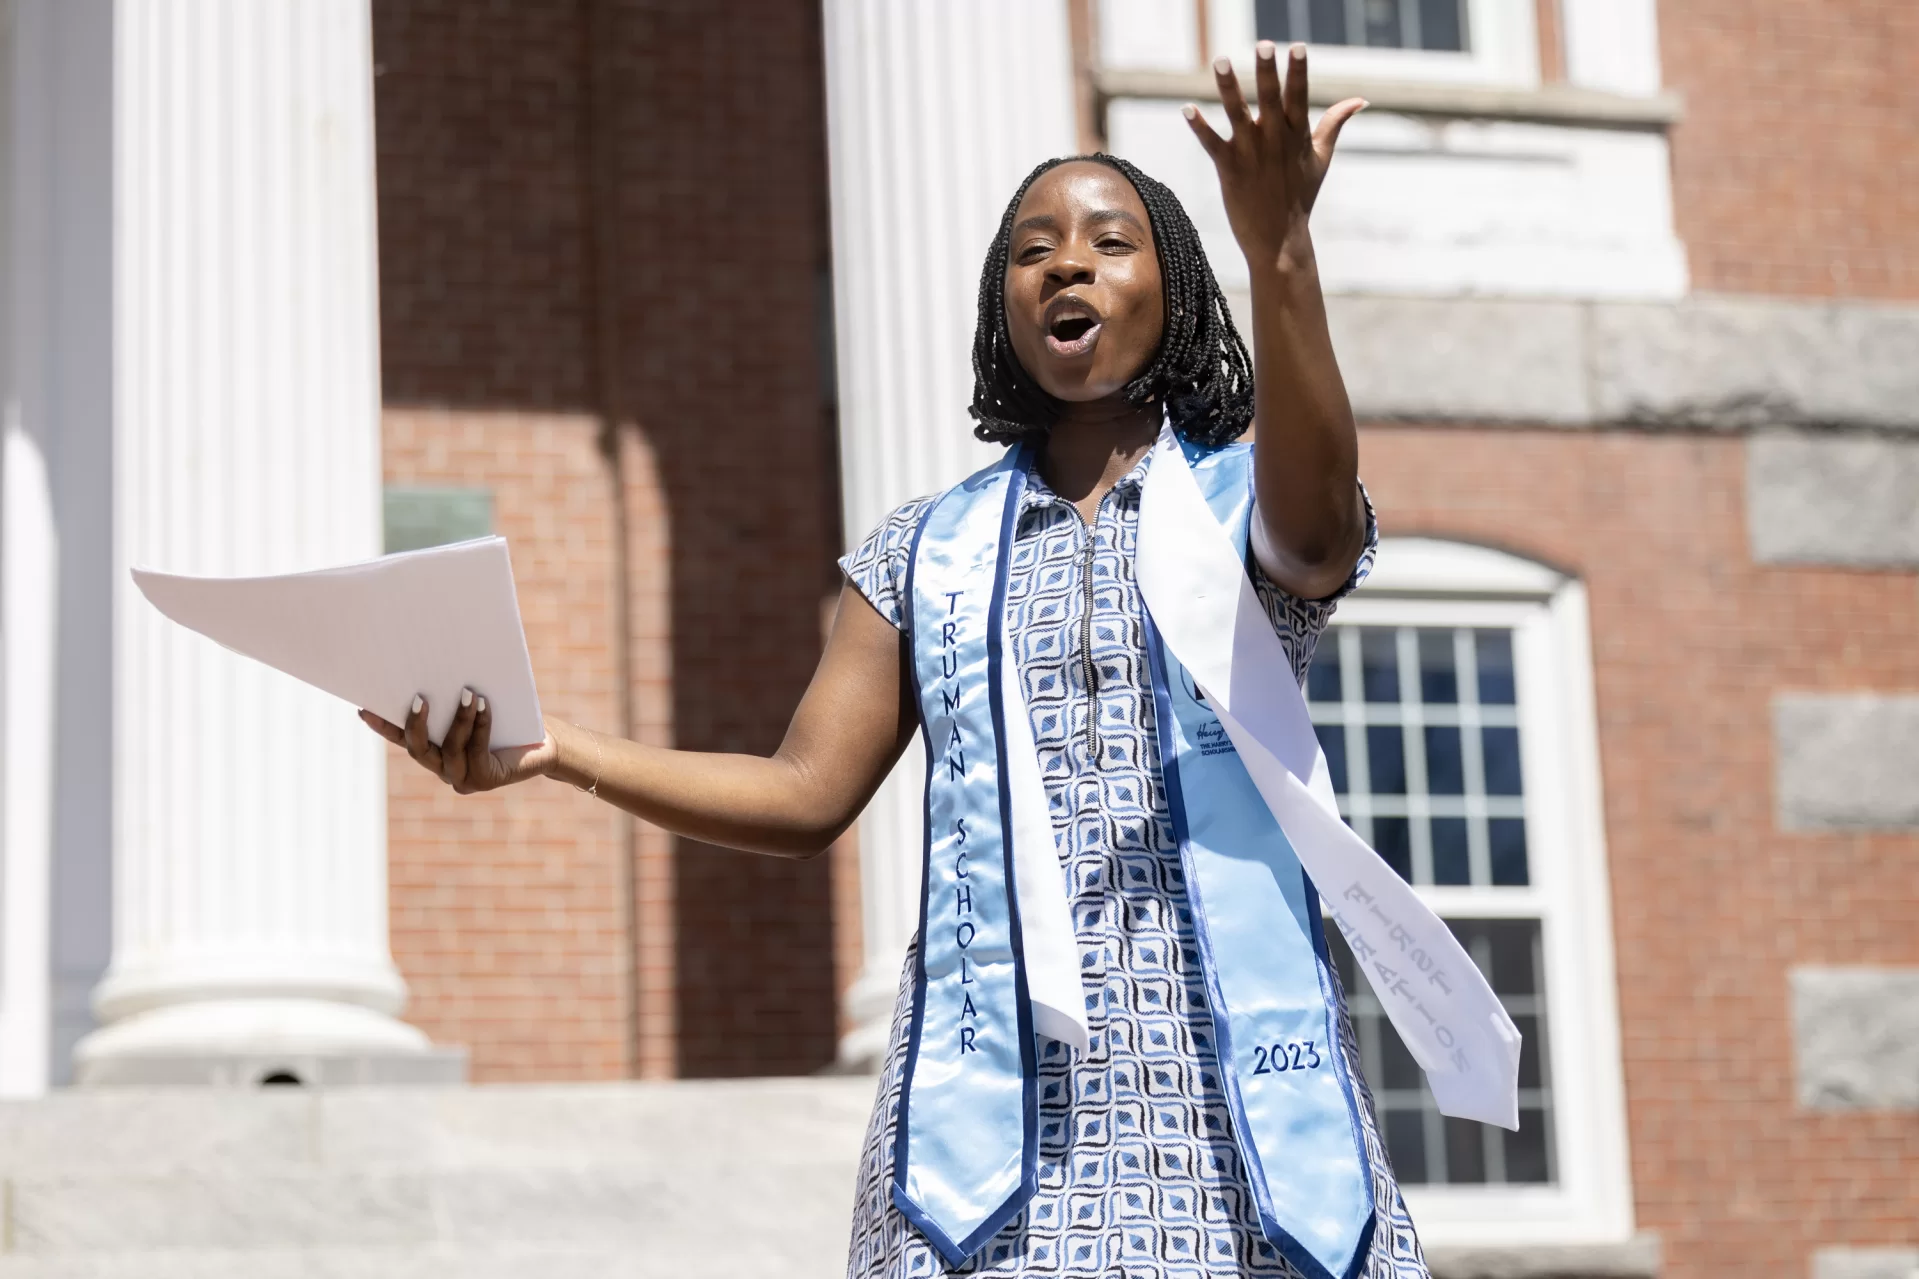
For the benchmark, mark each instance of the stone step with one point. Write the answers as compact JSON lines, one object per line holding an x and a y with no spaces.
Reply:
{"x":548,"y":1262}
{"x":687,"y":1178}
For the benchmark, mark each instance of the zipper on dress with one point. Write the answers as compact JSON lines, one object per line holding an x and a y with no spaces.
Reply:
{"x":1086,"y":649}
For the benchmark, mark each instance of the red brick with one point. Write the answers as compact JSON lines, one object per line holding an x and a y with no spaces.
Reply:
{"x":1796,"y":169}
{"x":1711,"y":904}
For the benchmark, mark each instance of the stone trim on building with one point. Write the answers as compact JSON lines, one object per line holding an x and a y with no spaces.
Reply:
{"x":1865,"y":1263}
{"x":1849,"y":500}
{"x":1855,"y":1035}
{"x":1715,"y":363}
{"x":1846,"y":761}
{"x":1636,"y":1258}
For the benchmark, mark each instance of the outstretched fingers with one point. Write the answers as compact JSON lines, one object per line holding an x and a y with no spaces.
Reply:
{"x":1295,"y":101}
{"x":1232,"y":97}
{"x":1215,"y":145}
{"x":1266,"y":80}
{"x":1326,"y":135}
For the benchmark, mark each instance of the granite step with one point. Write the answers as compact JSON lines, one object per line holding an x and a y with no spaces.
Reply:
{"x":686,"y":1178}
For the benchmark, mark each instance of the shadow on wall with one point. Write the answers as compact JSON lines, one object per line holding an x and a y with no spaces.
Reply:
{"x":719,"y":237}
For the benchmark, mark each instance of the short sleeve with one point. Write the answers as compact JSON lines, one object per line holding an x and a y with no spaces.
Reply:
{"x":1300,"y":622}
{"x":877,"y":566}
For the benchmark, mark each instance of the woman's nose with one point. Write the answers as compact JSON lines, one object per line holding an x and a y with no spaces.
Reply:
{"x":1071,"y":264}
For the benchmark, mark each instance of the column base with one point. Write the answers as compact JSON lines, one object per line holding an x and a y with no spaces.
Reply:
{"x":868,"y":1005}
{"x":243,"y":1043}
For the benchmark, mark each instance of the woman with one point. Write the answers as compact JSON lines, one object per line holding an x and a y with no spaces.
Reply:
{"x":1099,"y":320}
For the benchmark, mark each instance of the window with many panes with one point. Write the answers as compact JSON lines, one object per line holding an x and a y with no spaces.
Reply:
{"x":1452,"y":700}
{"x":1436,"y":25}
{"x":1420,"y":725}
{"x":1493,"y":42}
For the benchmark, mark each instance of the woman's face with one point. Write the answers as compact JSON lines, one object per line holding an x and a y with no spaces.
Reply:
{"x":1084,"y":306}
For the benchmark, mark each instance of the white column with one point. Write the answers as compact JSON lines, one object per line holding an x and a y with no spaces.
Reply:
{"x":28,"y":555}
{"x":250,"y":908}
{"x":55,"y":313}
{"x":935,"y":112}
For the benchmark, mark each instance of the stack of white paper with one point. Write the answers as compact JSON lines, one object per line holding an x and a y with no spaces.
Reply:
{"x":426,"y":622}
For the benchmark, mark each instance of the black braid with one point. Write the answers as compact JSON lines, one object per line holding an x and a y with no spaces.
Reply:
{"x":1201,"y":370}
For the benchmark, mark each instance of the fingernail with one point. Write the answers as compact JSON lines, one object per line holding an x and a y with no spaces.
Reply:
{"x":1299,"y":53}
{"x":1222,"y":65}
{"x":1363,"y":104}
{"x":1266,"y":49}
{"x":466,"y":697}
{"x":418,"y":702}
{"x":483,"y":706}
{"x":1190,"y":111}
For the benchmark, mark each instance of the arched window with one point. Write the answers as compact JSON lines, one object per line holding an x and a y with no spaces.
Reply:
{"x":1453,"y":697}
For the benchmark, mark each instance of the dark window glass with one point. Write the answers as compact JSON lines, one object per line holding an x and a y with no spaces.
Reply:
{"x":1399,"y":1070}
{"x":1501,"y":747}
{"x":1273,"y":20}
{"x":1507,"y":837}
{"x":1438,"y":25}
{"x":1495,"y":650}
{"x":1322,"y":677}
{"x":1465,"y":1152}
{"x":1326,"y":22}
{"x":1451,"y":864}
{"x":1509,"y":959}
{"x":1445,"y":765}
{"x":1406,"y":1143}
{"x":1438,"y":673}
{"x":1332,"y":740}
{"x":1442,"y":25}
{"x":1526,"y":1149}
{"x":1386,"y":759}
{"x":1379,"y":663}
{"x":1393,"y":841}
{"x":1382,"y":24}
{"x":1528,"y":1027}
{"x":1423,"y":1145}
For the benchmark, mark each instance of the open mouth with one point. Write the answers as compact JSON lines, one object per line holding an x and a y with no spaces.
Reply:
{"x":1072,"y":327}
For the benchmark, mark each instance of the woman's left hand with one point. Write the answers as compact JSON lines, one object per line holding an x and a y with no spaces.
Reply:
{"x":1271,"y":169}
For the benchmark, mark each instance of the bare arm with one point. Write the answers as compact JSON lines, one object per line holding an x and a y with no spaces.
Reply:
{"x":1306,"y":463}
{"x":850,"y":727}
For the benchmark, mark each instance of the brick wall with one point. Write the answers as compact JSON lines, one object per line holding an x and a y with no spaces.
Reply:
{"x":1711,"y":903}
{"x":505,"y":908}
{"x":1796,"y":169}
{"x":509,"y":911}
{"x":723,"y":218}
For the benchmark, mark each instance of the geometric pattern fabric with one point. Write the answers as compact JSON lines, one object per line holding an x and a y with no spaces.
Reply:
{"x":1138,"y":1171}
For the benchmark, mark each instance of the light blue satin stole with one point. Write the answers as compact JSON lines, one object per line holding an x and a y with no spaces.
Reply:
{"x":966,"y":1156}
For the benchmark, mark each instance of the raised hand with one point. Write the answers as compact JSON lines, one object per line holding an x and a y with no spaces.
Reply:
{"x":464,"y":759}
{"x":1271,"y":168}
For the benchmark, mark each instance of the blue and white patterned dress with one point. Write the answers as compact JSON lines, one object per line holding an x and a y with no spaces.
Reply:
{"x":1138,"y":1173}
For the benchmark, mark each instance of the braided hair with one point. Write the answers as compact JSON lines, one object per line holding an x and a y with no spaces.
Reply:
{"x":1201,"y":370}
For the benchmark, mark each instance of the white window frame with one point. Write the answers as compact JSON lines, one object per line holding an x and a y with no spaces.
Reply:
{"x":1430,"y":582}
{"x":1503,"y":35}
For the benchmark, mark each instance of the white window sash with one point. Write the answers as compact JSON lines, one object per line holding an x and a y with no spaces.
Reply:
{"x":1503,"y":36}
{"x":1568,"y":892}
